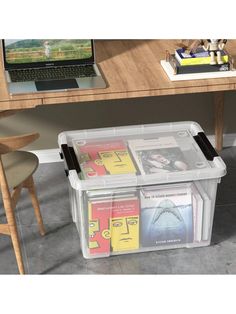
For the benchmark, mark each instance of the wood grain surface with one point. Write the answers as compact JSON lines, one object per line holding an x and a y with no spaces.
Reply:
{"x":131,"y":68}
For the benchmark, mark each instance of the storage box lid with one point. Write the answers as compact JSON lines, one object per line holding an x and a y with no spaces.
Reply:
{"x":141,"y":155}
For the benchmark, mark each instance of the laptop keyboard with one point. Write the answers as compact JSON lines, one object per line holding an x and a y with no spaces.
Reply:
{"x":41,"y":74}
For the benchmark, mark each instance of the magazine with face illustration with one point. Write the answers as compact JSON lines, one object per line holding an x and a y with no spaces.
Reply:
{"x":158,"y":155}
{"x":113,"y":222}
{"x":99,"y":158}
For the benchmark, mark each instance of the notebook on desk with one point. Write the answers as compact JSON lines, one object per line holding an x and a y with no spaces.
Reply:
{"x":38,"y":65}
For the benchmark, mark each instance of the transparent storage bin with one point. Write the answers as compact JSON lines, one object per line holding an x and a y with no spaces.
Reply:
{"x":141,"y":188}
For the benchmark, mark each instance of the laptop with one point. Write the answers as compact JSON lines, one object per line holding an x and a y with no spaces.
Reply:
{"x":40,"y":65}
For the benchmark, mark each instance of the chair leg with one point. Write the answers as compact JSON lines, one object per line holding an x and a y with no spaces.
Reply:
{"x":11,"y":222}
{"x":17,"y":248}
{"x":29,"y":184}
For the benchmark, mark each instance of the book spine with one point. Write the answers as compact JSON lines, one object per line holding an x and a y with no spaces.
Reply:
{"x":198,"y":212}
{"x":206,"y":212}
{"x":177,"y":56}
{"x":197,"y":61}
{"x":202,"y":68}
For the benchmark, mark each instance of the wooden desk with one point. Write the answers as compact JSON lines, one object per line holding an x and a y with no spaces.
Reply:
{"x":132,"y":69}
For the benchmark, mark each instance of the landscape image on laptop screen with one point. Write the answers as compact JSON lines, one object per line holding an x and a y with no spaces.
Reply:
{"x":43,"y":50}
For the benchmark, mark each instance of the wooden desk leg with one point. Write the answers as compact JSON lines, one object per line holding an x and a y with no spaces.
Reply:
{"x":218,"y":100}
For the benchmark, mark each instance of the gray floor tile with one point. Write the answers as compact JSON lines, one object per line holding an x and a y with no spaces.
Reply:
{"x":220,"y":257}
{"x":7,"y":257}
{"x":104,"y":266}
{"x":3,"y":214}
{"x":145,"y":263}
{"x":224,"y":225}
{"x":57,"y":252}
{"x":227,"y":188}
{"x":52,"y":191}
{"x":192,"y":261}
{"x":228,"y":154}
{"x":8,"y":264}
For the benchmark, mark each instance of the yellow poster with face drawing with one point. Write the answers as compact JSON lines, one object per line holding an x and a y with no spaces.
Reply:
{"x":125,"y":225}
{"x":117,"y":161}
{"x":113,"y":224}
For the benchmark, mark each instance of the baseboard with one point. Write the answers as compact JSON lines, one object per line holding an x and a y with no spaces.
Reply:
{"x":52,"y":155}
{"x":47,"y":155}
{"x":228,"y":139}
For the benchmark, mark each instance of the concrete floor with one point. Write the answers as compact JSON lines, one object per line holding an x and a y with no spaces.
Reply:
{"x":59,"y":251}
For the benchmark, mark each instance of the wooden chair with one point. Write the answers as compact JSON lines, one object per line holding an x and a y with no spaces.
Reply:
{"x":16,"y":169}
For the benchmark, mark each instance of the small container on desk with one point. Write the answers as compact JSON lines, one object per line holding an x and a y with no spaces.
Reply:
{"x":141,"y":188}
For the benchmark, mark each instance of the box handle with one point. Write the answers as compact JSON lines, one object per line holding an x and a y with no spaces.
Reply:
{"x":205,"y":145}
{"x":68,"y":154}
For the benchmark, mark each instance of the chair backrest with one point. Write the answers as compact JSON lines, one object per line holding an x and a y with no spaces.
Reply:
{"x":7,"y":113}
{"x":12,"y":143}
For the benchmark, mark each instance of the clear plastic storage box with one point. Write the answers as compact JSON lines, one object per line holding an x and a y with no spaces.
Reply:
{"x":141,"y":188}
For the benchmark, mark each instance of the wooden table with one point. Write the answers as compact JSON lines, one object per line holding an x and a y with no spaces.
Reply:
{"x":132,"y":69}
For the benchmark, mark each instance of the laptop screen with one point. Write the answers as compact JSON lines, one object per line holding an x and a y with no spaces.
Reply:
{"x":37,"y":50}
{"x":40,"y":51}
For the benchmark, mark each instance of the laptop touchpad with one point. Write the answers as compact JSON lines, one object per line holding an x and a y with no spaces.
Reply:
{"x":56,"y":84}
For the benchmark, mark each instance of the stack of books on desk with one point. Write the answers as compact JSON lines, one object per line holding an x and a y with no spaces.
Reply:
{"x":184,"y":66}
{"x":197,"y":62}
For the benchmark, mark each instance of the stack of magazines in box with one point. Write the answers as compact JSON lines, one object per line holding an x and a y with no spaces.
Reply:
{"x":138,"y":156}
{"x":148,"y":216}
